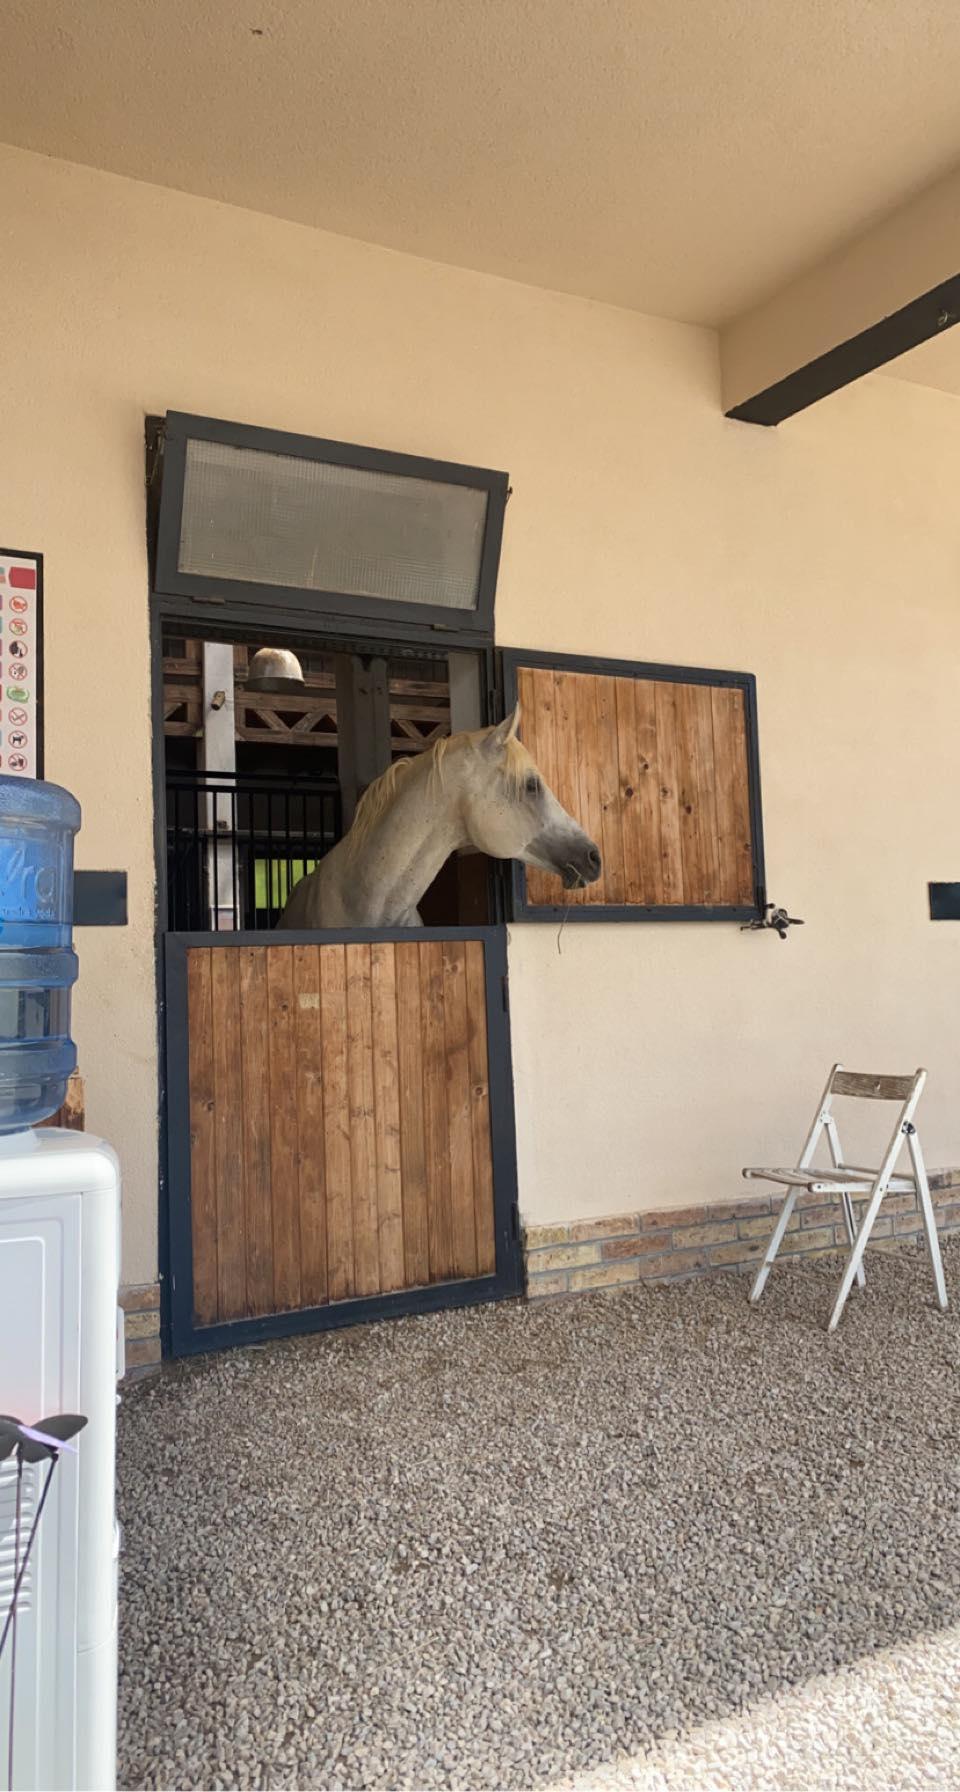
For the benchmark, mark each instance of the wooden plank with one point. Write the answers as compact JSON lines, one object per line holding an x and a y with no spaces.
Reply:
{"x":423,"y":703}
{"x":310,"y":1135}
{"x":284,"y":1140}
{"x":203,"y":1149}
{"x":363,"y":1144}
{"x":459,"y":1125}
{"x":568,"y":770}
{"x":309,"y":732}
{"x":338,"y":1175}
{"x":228,"y":1131}
{"x":689,"y":794}
{"x":530,"y":710}
{"x":363,"y":725}
{"x":722,"y":701}
{"x":588,"y":812}
{"x":743,"y":821}
{"x":707,"y":795}
{"x":257,"y":1170}
{"x":671,"y":849}
{"x":647,"y":760}
{"x":386,"y":1088}
{"x":530,"y":735}
{"x":734,"y":827}
{"x":174,"y":692}
{"x":535,"y":688}
{"x":479,"y":1070}
{"x":874,"y":1088}
{"x":436,"y":1133}
{"x":416,"y":1238}
{"x":628,"y":759}
{"x":545,"y":737}
{"x":271,"y":727}
{"x":320,"y":693}
{"x":612,"y":881}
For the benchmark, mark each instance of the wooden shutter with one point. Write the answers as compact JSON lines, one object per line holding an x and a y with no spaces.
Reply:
{"x":659,"y":765}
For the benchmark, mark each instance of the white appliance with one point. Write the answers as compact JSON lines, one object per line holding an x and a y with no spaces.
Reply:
{"x":61,"y":1351}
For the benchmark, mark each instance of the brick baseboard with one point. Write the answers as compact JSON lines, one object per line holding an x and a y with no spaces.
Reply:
{"x":676,"y":1243}
{"x":141,"y":1328}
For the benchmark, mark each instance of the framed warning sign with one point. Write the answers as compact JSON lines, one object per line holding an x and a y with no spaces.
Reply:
{"x":21,"y":663}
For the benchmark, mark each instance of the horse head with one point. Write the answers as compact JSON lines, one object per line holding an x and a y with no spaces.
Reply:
{"x":510,"y":812}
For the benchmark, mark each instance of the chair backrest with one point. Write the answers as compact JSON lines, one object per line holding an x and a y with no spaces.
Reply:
{"x":873,"y":1088}
{"x":866,"y":1087}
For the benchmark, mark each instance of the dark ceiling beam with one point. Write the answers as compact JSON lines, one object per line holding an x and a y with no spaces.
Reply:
{"x":880,"y":294}
{"x":870,"y":349}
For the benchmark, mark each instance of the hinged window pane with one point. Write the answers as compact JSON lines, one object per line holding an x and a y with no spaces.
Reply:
{"x":312,"y":525}
{"x":659,"y":765}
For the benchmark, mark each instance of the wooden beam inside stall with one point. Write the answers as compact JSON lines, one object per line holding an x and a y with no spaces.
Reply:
{"x":363,"y":726}
{"x":419,"y":703}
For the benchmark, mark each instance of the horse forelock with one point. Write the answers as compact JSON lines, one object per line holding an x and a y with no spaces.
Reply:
{"x":517,"y":763}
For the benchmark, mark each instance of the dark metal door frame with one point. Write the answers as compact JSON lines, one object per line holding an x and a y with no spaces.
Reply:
{"x":188,"y":1339}
{"x":223,"y":623}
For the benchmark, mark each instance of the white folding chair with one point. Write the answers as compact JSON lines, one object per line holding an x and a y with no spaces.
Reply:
{"x":849,"y":1180}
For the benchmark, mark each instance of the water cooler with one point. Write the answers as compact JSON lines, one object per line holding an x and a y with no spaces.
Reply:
{"x":59,"y":1349}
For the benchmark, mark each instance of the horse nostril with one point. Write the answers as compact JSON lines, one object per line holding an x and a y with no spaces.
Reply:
{"x":593,"y":859}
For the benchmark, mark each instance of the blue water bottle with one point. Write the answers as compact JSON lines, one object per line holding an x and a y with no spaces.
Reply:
{"x":38,"y":966}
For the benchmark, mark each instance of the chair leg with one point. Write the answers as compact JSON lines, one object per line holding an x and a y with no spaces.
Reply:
{"x":929,"y":1219}
{"x":851,"y":1225}
{"x":774,"y":1246}
{"x":856,"y":1255}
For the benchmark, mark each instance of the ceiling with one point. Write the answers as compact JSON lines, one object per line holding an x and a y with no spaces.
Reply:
{"x":684,"y":161}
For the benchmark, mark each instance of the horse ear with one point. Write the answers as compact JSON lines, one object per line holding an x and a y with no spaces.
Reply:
{"x":504,"y":731}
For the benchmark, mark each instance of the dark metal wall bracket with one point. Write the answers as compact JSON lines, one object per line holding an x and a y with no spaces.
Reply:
{"x":944,"y":902}
{"x":99,"y":899}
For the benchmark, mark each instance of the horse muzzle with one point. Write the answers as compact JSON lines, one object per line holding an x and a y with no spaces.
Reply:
{"x":581,"y":867}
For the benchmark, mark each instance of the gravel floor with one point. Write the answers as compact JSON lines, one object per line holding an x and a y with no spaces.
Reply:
{"x":889,"y":1723}
{"x":505,"y":1547}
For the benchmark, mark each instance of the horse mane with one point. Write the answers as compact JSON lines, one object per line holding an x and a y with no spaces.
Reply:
{"x":381,"y":794}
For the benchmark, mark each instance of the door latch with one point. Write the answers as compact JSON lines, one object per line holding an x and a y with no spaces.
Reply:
{"x":776,"y":918}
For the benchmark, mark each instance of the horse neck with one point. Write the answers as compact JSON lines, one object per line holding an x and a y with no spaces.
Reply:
{"x":406,"y":846}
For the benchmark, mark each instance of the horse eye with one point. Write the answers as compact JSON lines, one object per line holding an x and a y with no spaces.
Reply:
{"x":533,"y":786}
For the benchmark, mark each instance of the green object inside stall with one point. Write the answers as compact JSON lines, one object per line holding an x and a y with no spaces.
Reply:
{"x":275,"y":878}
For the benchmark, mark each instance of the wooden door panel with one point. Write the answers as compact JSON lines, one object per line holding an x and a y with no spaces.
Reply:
{"x":311,"y":1135}
{"x":255,"y":1120}
{"x":479,"y":1068}
{"x":659,"y":770}
{"x":203,"y":1150}
{"x":340,"y":1141}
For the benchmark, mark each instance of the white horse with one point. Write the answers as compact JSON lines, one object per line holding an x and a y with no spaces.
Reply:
{"x":480,"y":789}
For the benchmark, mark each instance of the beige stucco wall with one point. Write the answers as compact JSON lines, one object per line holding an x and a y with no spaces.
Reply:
{"x":650,"y":1061}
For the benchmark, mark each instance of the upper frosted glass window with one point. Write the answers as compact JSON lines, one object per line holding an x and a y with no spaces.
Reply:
{"x":279,"y":519}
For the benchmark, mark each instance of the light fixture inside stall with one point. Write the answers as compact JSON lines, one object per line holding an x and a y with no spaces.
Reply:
{"x":275,"y":671}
